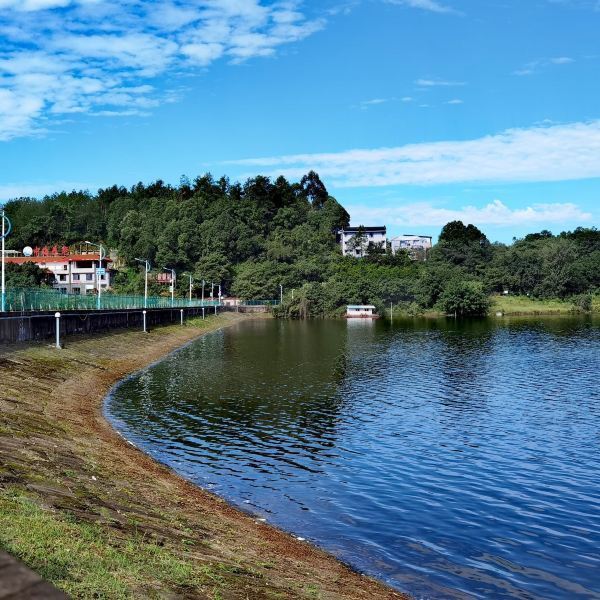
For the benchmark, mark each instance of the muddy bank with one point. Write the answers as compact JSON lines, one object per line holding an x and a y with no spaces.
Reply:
{"x":98,"y":518}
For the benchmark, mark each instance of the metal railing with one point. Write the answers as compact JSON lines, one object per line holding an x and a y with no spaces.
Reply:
{"x":40,"y":299}
{"x":260,"y":303}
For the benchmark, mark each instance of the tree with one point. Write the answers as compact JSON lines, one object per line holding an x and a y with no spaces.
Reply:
{"x":314,"y":189}
{"x":464,"y":299}
{"x":358,"y":241}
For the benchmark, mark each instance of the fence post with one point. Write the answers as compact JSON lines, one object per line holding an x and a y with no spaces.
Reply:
{"x":57,"y":317}
{"x":182,"y":316}
{"x":203,"y":312}
{"x":215,"y":309}
{"x":144,"y":319}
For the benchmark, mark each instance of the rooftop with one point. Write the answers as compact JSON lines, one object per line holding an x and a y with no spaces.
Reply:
{"x":365,"y":229}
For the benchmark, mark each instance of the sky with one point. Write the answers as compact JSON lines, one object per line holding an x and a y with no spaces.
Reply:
{"x":413,"y":112}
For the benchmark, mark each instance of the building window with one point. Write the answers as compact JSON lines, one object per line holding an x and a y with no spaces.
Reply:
{"x":75,"y":276}
{"x":76,"y":290}
{"x":62,"y":290}
{"x":62,"y":277}
{"x":65,"y":267}
{"x":89,"y":277}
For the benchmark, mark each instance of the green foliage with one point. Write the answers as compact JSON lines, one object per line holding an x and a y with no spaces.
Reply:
{"x":464,"y":298}
{"x":256,"y":236}
{"x":26,"y":275}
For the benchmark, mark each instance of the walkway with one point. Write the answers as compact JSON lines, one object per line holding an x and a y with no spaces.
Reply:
{"x":17,"y":582}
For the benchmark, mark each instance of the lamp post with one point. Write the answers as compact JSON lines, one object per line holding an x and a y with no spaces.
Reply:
{"x":102,"y":255}
{"x":173,"y":275}
{"x":6,"y":227}
{"x":147,"y":268}
{"x":191,"y":280}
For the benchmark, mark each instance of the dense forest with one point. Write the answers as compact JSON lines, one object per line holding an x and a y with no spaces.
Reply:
{"x":253,"y":237}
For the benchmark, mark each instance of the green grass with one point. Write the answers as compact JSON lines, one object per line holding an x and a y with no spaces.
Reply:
{"x":523,"y":305}
{"x":84,"y":559}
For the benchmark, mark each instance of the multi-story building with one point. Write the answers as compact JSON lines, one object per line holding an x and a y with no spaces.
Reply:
{"x":371,"y":235}
{"x":416,"y":245}
{"x":73,"y":273}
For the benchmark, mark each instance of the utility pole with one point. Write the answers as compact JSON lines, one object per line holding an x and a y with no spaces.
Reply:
{"x":191,"y":280}
{"x":6,"y":228}
{"x":173,"y":277}
{"x":98,"y":271}
{"x":203,"y":282}
{"x":147,"y":266}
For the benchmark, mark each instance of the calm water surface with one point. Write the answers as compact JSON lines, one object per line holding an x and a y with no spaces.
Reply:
{"x":450,"y":460}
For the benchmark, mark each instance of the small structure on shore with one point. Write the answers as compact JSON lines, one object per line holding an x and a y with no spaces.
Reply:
{"x":361,"y":311}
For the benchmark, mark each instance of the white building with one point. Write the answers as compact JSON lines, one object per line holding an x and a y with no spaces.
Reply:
{"x":372,"y":235}
{"x":360,"y":311}
{"x":78,"y":273}
{"x":415,"y":245}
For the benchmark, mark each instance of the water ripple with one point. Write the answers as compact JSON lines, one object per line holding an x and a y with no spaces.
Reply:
{"x":452,"y":460}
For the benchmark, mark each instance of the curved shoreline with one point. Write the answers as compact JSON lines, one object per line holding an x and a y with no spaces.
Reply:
{"x":71,"y":463}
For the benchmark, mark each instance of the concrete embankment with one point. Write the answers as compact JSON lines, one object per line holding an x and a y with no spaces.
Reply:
{"x":98,"y":518}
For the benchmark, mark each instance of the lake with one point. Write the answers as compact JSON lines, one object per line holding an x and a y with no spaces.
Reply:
{"x":451,"y":459}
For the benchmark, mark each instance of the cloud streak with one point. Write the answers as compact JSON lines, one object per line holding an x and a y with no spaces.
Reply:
{"x":430,"y":5}
{"x":60,"y":57}
{"x":494,"y":213}
{"x":555,"y":153}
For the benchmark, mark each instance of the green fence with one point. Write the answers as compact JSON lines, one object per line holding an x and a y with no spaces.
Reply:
{"x":260,"y":303}
{"x":32,"y":299}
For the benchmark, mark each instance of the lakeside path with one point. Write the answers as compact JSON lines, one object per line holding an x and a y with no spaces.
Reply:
{"x":100,"y":519}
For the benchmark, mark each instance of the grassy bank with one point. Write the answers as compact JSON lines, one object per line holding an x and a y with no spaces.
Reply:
{"x":523,"y":305}
{"x":99,"y":519}
{"x":508,"y":306}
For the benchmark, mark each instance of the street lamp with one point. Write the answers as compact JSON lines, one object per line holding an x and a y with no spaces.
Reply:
{"x":147,"y":266}
{"x":98,"y":269}
{"x":172,"y":284}
{"x":191,"y":280}
{"x":6,"y":227}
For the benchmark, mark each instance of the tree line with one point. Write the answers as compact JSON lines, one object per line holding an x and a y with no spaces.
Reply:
{"x":254,"y":236}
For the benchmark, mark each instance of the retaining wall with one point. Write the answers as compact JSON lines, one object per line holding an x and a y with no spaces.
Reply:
{"x":27,"y":326}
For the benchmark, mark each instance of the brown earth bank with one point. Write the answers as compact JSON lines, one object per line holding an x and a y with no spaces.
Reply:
{"x":100,"y":519}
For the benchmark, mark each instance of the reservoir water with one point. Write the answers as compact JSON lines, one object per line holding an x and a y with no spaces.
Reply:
{"x":449,"y":459}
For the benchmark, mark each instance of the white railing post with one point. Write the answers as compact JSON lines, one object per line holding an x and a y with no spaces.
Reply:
{"x":203,"y":312}
{"x":144,"y":319}
{"x":182,"y":316}
{"x":57,"y":317}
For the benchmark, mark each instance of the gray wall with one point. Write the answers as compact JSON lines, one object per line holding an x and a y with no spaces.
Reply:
{"x":42,"y":325}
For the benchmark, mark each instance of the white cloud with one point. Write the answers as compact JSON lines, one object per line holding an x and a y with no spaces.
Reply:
{"x":39,"y":190}
{"x":438,"y":83}
{"x":535,"y":66}
{"x":98,"y":56}
{"x":540,"y":153}
{"x":455,"y":101}
{"x":430,"y":5}
{"x":494,"y":213}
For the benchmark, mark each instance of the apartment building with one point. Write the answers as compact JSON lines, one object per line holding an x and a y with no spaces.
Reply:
{"x":70,"y":271}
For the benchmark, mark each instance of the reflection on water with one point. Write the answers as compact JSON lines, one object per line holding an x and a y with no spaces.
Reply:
{"x":449,"y":459}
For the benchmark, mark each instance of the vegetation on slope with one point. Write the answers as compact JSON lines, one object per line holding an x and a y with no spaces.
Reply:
{"x":253,"y":237}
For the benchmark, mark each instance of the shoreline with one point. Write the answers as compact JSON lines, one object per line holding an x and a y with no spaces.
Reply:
{"x":92,"y":513}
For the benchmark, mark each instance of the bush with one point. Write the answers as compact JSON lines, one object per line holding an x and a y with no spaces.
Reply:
{"x":583,"y":302}
{"x":464,"y":298}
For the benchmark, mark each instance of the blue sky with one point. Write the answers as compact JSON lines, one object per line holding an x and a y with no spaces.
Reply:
{"x":414,"y":112}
